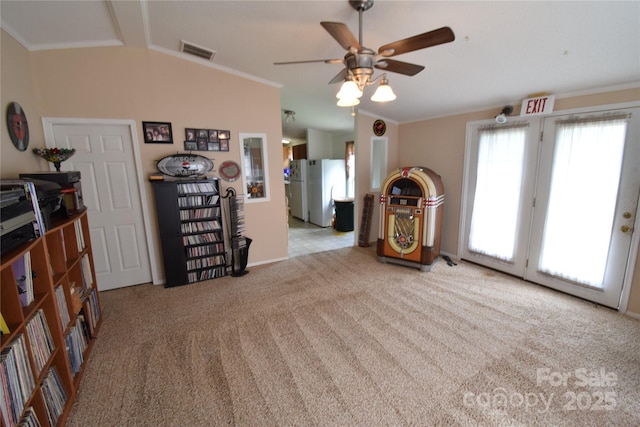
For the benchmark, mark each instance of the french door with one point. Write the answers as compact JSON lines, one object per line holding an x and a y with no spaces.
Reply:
{"x":557,"y":210}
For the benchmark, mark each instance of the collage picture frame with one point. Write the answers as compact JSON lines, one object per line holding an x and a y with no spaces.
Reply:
{"x":206,"y":139}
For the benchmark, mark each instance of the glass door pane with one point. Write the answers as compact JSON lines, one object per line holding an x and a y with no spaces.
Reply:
{"x":498,"y":177}
{"x":587,"y":193}
{"x":584,"y":188}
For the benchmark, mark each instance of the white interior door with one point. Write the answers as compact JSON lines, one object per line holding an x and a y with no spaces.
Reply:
{"x":104,"y":156}
{"x":558,"y":211}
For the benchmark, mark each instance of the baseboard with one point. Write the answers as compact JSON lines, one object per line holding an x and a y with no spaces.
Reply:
{"x":632,"y":314}
{"x":267,"y":261}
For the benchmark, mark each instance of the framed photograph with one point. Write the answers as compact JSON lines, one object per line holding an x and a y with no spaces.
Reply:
{"x":223,"y":137}
{"x":213,"y":135}
{"x":190,"y":146}
{"x":190,"y":135}
{"x":203,"y":144}
{"x":157,"y":132}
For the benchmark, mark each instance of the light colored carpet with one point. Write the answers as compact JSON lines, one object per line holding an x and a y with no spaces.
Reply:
{"x":337,"y":338}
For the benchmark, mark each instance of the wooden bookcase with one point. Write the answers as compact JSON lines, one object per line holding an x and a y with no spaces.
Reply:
{"x":191,"y":232}
{"x":54,"y":331}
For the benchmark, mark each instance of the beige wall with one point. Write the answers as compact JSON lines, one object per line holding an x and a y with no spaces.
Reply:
{"x":145,"y":85}
{"x":364,"y":133}
{"x":17,"y":86}
{"x":439,"y":145}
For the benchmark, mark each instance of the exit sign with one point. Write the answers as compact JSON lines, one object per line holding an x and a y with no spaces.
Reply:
{"x":537,"y":106}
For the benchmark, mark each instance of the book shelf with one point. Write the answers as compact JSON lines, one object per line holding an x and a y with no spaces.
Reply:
{"x":191,"y":232}
{"x":51,"y":318}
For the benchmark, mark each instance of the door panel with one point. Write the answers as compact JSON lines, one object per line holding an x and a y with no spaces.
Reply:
{"x":104,"y":156}
{"x":520,"y":215}
{"x":620,"y":196}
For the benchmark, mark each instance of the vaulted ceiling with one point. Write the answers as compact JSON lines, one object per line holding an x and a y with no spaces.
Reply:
{"x":503,"y":51}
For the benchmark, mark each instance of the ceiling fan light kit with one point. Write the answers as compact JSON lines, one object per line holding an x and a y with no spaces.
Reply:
{"x":383,"y":93}
{"x":349,"y":90}
{"x":360,"y":61}
{"x":348,"y":102}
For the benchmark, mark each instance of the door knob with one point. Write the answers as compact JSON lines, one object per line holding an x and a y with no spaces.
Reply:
{"x":626,"y":229}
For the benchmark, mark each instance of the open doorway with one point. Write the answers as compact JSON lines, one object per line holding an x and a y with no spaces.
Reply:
{"x":318,"y":223}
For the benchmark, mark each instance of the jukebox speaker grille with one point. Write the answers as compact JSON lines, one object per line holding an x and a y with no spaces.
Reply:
{"x":403,"y":227}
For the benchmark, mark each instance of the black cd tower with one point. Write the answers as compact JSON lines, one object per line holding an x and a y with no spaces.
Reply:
{"x":191,"y":234}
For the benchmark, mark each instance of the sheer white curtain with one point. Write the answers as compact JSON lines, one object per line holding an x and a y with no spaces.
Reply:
{"x":494,"y":221}
{"x":584,"y":185}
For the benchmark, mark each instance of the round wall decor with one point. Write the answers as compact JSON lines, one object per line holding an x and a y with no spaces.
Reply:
{"x":18,"y":126}
{"x":379,"y":127}
{"x":229,"y":171}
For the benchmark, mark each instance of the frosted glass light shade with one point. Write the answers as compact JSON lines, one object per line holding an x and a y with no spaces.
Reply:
{"x":383,"y":93}
{"x":346,"y":102}
{"x":349,"y":90}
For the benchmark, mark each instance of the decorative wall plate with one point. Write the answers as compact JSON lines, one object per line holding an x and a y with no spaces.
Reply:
{"x":229,"y":171}
{"x":184,"y":165}
{"x":379,"y":127}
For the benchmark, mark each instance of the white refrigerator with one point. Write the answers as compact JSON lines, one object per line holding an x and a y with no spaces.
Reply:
{"x":326,"y":180}
{"x":298,"y":190}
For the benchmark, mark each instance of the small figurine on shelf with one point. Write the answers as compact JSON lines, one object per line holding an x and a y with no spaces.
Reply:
{"x":55,"y":155}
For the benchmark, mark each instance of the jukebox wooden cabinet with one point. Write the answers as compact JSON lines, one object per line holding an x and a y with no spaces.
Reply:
{"x":411,"y":202}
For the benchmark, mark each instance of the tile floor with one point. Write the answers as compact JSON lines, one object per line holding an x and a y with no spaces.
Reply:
{"x":306,"y":238}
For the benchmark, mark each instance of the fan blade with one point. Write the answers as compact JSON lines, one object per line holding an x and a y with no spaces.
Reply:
{"x":340,"y":76}
{"x":399,"y":67}
{"x":342,"y":34}
{"x":421,"y":41}
{"x":326,"y":61}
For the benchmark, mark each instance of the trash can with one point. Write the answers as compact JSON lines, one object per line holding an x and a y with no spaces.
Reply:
{"x":344,"y":214}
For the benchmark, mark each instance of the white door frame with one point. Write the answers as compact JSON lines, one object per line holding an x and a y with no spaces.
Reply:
{"x":635,"y":238}
{"x":47,"y":126}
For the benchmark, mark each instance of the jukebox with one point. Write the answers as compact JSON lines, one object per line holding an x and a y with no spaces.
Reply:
{"x":411,"y":202}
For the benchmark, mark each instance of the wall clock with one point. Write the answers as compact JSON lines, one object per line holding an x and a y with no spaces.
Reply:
{"x":18,"y":126}
{"x":379,"y":127}
{"x":229,"y":171}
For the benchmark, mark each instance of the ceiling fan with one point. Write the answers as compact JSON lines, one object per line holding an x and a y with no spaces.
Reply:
{"x":360,"y":61}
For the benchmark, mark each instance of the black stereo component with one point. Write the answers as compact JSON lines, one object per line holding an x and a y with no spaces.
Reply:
{"x":69,"y":181}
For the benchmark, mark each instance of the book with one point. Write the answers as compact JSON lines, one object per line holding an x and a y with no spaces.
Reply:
{"x":39,"y":226}
{"x":54,"y":395}
{"x":24,"y":279}
{"x":42,"y":344}
{"x":63,"y":309}
{"x":87,"y":276}
{"x":30,"y":419}
{"x":79,"y":235}
{"x":3,"y":326}
{"x":17,"y":380}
